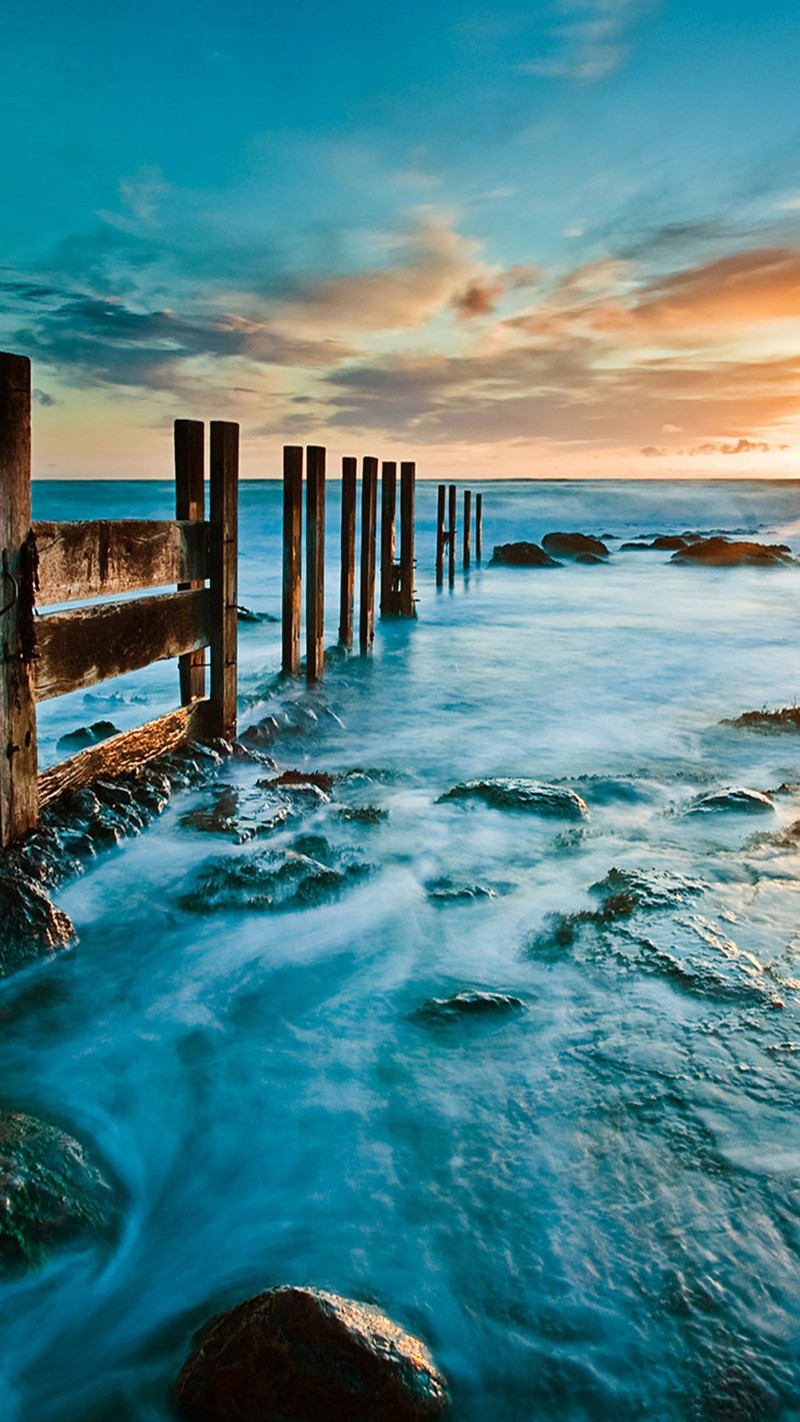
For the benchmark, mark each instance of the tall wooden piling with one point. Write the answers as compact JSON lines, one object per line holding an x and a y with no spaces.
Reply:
{"x":388,"y":603}
{"x":369,"y":502}
{"x":189,"y":441}
{"x":451,"y":568}
{"x":292,"y":550}
{"x":348,"y":571}
{"x":478,"y":526}
{"x":408,"y":475}
{"x":467,"y":526}
{"x":224,"y":501}
{"x":18,"y":763}
{"x":440,"y":536}
{"x":315,"y":561}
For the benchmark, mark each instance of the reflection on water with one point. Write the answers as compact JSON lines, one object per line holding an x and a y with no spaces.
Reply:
{"x":588,"y":1206}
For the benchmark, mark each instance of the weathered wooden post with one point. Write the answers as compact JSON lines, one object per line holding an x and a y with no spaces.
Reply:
{"x":451,"y":569}
{"x":408,"y":475}
{"x":440,"y":537}
{"x":19,"y":791}
{"x":224,"y":501}
{"x":467,"y":526}
{"x":189,"y":436}
{"x":292,"y":549}
{"x":478,"y":526}
{"x":369,"y":503}
{"x":388,"y":602}
{"x":315,"y":562}
{"x":348,"y":572}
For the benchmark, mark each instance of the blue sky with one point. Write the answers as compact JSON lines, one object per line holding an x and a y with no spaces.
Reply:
{"x":558,"y":239}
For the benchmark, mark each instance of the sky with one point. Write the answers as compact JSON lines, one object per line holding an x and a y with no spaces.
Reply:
{"x":559,"y":240}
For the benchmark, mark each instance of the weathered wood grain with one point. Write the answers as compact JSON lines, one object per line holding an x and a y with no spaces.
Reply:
{"x":124,"y":753}
{"x":440,"y":536}
{"x":389,"y":601}
{"x":101,"y":558}
{"x":190,"y":498}
{"x":478,"y":526}
{"x":315,"y":561}
{"x":369,"y":502}
{"x":224,"y":502}
{"x":348,"y":569}
{"x":452,"y":531}
{"x":292,"y":555}
{"x":408,"y":478}
{"x":467,"y":527}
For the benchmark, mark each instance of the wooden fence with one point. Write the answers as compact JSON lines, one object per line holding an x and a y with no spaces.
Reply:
{"x":47,"y":563}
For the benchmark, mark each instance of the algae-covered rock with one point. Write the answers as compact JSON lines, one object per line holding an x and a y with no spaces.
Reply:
{"x":523,"y":555}
{"x":515,"y":793}
{"x":50,"y":1192}
{"x":305,"y":1355}
{"x":31,"y":927}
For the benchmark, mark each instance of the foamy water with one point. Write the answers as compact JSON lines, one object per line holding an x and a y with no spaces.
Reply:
{"x":588,"y":1208}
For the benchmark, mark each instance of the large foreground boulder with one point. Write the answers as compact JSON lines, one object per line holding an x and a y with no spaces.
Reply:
{"x":574,"y":545}
{"x":31,"y":927}
{"x":523,"y":555}
{"x":304,"y":1355}
{"x":50,"y":1193}
{"x":721,"y":553}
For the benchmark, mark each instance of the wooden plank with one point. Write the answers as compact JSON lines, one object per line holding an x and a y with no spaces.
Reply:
{"x":408,"y":476}
{"x":18,"y":766}
{"x":369,"y":506}
{"x":84,"y":645}
{"x":224,"y":505}
{"x":292,"y":553}
{"x":389,"y":604}
{"x":124,"y":753}
{"x":451,"y":547}
{"x":478,"y":526}
{"x":467,"y":526}
{"x":440,"y":537}
{"x":101,"y":558}
{"x":348,"y":571}
{"x":190,"y":501}
{"x":315,"y":562}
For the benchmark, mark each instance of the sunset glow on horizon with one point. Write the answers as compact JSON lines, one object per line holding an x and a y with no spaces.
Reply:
{"x":507,"y":243}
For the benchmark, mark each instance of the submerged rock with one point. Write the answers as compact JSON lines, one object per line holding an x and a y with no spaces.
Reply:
{"x":575,"y":545}
{"x":720,"y":553}
{"x":738,"y":800}
{"x":236,"y":814}
{"x":510,"y":793}
{"x":363,"y":814}
{"x":244,"y":614}
{"x":470,"y":1003}
{"x":50,"y":1193}
{"x":31,"y":927}
{"x":87,"y":736}
{"x":275,"y":880}
{"x":445,"y":891}
{"x":305,"y":1355}
{"x":622,"y":892}
{"x":523,"y":555}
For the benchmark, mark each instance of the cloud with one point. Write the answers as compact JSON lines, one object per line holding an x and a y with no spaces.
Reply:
{"x":589,"y":43}
{"x":477,"y":299}
{"x":716,"y":446}
{"x":41,"y":397}
{"x":759,"y":285}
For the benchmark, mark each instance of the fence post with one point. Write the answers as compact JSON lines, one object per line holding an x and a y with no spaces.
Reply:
{"x":369,"y":501}
{"x":224,"y":468}
{"x":190,"y":505}
{"x":452,"y":536}
{"x":440,"y":537}
{"x":19,"y":792}
{"x":348,"y":570}
{"x":467,"y":525}
{"x":315,"y":561}
{"x":388,"y":513}
{"x":292,"y":550}
{"x":478,"y":526}
{"x":408,"y":475}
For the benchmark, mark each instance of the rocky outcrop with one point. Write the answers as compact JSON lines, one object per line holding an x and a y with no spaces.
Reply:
{"x":31,"y":927}
{"x":308,"y":874}
{"x":787,"y":718}
{"x":507,"y":793}
{"x":523,"y":555}
{"x":581,"y":546}
{"x":736,"y":800}
{"x":86,"y":736}
{"x":305,"y":1355}
{"x":470,"y":1003}
{"x":50,"y":1193}
{"x":720,"y":553}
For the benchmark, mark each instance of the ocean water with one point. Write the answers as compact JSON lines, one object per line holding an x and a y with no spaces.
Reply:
{"x":589,"y":1207}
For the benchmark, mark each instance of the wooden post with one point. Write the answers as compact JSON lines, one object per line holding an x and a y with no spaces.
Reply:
{"x":315,"y":561}
{"x":467,"y":526}
{"x":224,"y":466}
{"x":408,"y":475}
{"x":440,"y":537}
{"x":18,"y":762}
{"x":478,"y":526}
{"x":452,"y":535}
{"x":388,"y":512}
{"x":292,"y":549}
{"x":190,"y":505}
{"x":348,"y":572}
{"x":369,"y":502}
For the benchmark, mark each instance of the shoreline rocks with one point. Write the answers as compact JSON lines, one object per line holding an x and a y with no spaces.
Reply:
{"x":512,"y":793}
{"x":523,"y":555}
{"x":719,"y":552}
{"x":581,"y":547}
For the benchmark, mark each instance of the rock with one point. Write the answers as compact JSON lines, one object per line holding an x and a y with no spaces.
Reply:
{"x":320,"y":779}
{"x":652,"y":889}
{"x":238,"y":814}
{"x":31,"y":927}
{"x":470,"y":1003}
{"x":670,"y":541}
{"x":573,"y":545}
{"x":720,"y":553}
{"x":261,"y":733}
{"x":590,"y":558}
{"x":748,"y":802}
{"x":305,"y":1355}
{"x":520,"y":794}
{"x":635,"y":547}
{"x":243,"y":614}
{"x":363,"y":814}
{"x":523,"y":555}
{"x":275,"y":880}
{"x":444,"y":891}
{"x":50,"y":1193}
{"x":769,"y":722}
{"x":86,"y":736}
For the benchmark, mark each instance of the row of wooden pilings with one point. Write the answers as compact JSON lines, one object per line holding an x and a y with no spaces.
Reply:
{"x":396,"y":575}
{"x":446,"y":535}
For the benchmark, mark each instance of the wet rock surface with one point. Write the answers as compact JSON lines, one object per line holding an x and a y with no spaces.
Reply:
{"x":582,"y":546}
{"x":50,"y":1192}
{"x":448,"y":891}
{"x":86,"y":736}
{"x":523,"y":555}
{"x":786,"y":718}
{"x":737,"y":800}
{"x":306,"y":1355}
{"x":622,"y":892}
{"x":509,"y":793}
{"x":309,"y":873}
{"x":363,"y":814}
{"x":721,"y":553}
{"x":472,"y":1002}
{"x":31,"y":927}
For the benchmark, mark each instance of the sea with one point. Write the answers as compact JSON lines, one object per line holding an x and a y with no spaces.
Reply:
{"x":586,"y":1204}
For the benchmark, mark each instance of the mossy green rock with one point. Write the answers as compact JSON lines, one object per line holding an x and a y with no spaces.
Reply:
{"x":50,"y":1193}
